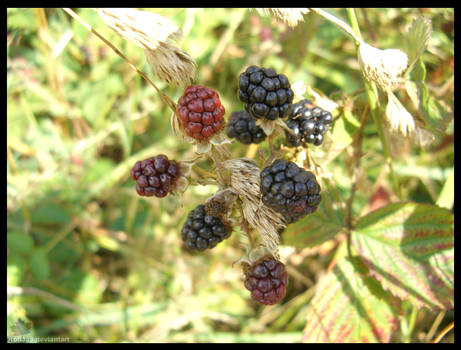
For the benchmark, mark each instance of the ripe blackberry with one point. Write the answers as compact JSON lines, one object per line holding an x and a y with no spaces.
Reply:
{"x":266,"y":279}
{"x":242,"y":126}
{"x":308,"y":122}
{"x":201,"y":112}
{"x":265,"y":93}
{"x":155,"y":176}
{"x":289,"y":190}
{"x":202,"y":231}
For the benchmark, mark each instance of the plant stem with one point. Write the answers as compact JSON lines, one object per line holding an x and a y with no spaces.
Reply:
{"x":444,"y":332}
{"x":355,"y":177}
{"x":164,"y":97}
{"x":341,"y":24}
{"x":373,"y":100}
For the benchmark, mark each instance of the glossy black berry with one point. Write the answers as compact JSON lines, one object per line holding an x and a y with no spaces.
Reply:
{"x":242,"y":126}
{"x":265,"y":93}
{"x":289,"y":190}
{"x":308,"y":123}
{"x":202,"y":231}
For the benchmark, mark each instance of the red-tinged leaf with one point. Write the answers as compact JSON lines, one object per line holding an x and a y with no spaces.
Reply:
{"x":350,"y":307}
{"x":318,"y":227}
{"x":408,"y":247}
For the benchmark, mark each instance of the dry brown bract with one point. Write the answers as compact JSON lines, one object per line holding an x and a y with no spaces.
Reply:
{"x":245,"y":181}
{"x":291,"y":16}
{"x":152,"y":32}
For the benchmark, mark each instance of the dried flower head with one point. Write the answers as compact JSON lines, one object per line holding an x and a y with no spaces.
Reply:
{"x":399,"y":118}
{"x":245,"y":181}
{"x":152,"y":32}
{"x":221,"y":202}
{"x":291,"y":16}
{"x":383,"y":67}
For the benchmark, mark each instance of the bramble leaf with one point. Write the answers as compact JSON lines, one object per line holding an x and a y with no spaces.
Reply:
{"x":350,"y":307}
{"x":408,"y":247}
{"x":319,"y":226}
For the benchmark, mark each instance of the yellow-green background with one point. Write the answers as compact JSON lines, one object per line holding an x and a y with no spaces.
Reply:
{"x":97,"y":263}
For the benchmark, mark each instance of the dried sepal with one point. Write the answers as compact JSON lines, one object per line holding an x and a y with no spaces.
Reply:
{"x":320,"y":100}
{"x":267,"y":125}
{"x":219,"y":139}
{"x":383,"y":67}
{"x":221,"y":203}
{"x":171,"y":64}
{"x":178,"y":129}
{"x":299,"y":89}
{"x":245,"y":180}
{"x":202,"y":147}
{"x":400,"y":120}
{"x":422,"y":137}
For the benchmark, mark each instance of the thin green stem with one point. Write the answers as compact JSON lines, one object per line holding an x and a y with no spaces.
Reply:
{"x":373,"y":100}
{"x":341,"y":24}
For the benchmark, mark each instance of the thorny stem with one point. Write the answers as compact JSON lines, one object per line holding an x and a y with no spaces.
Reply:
{"x":373,"y":100}
{"x":164,"y":97}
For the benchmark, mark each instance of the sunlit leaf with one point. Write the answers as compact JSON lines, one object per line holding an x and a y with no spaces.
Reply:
{"x":408,"y":247}
{"x":319,"y":226}
{"x":350,"y":307}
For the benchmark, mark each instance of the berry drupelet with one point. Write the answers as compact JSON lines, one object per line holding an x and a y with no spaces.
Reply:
{"x":201,"y":112}
{"x":202,"y":231}
{"x":266,"y":279}
{"x":155,"y":176}
{"x":265,"y":93}
{"x":308,"y":123}
{"x":289,"y":190}
{"x":242,"y":126}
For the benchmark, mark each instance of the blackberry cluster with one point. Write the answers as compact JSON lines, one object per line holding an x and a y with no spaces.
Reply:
{"x":267,"y":280}
{"x":289,"y":190}
{"x":202,"y":231}
{"x":265,"y":93}
{"x":155,"y":176}
{"x":201,"y":112}
{"x":242,"y":126}
{"x":308,"y":122}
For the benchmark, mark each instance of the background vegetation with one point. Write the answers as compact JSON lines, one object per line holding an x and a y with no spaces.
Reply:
{"x":91,"y":261}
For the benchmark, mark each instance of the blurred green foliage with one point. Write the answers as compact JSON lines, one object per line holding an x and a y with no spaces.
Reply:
{"x":95,"y":262}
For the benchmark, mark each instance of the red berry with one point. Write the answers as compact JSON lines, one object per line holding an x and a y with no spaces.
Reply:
{"x":266,"y":279}
{"x":155,"y":176}
{"x":201,"y":112}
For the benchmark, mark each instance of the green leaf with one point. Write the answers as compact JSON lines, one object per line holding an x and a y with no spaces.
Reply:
{"x":39,"y":265}
{"x":434,"y":113}
{"x":319,"y":226}
{"x":50,"y":213}
{"x":408,"y":247}
{"x":417,"y":39}
{"x":447,"y":195}
{"x":84,"y":286}
{"x":341,"y":136}
{"x":14,"y":270}
{"x":19,"y":242}
{"x":350,"y":307}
